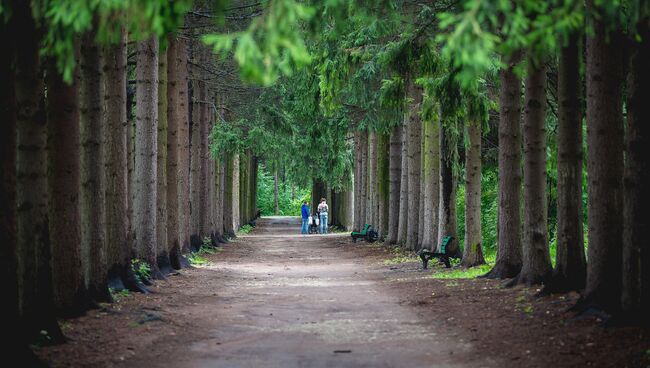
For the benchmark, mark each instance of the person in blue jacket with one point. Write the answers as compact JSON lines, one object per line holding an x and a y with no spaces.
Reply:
{"x":305,"y":217}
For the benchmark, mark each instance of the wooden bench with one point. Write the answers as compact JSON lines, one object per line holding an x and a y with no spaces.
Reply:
{"x":426,"y":255}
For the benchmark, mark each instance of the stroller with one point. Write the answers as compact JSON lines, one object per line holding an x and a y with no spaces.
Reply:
{"x":314,"y":221}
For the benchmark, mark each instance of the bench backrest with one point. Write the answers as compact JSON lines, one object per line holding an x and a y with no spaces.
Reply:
{"x":443,"y":245}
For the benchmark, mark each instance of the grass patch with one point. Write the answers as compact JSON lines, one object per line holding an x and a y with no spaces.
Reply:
{"x":461,"y":272}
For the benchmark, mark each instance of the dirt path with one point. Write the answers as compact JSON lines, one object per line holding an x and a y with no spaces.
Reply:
{"x":275,"y":299}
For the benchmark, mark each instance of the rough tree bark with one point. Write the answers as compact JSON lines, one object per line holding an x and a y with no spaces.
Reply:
{"x":473,"y":249}
{"x":636,"y":252}
{"x":430,"y":178}
{"x":183,"y":149}
{"x":235,"y":192}
{"x":357,"y":181}
{"x":363,"y":178}
{"x":508,"y":262}
{"x":228,"y":196}
{"x":162,"y":250}
{"x":536,"y":267}
{"x":605,"y":63}
{"x":70,"y":293}
{"x":395,"y":172}
{"x":383,"y":179}
{"x":16,"y":346}
{"x":204,"y":190}
{"x":371,"y":184}
{"x":118,"y":243}
{"x":404,"y":189}
{"x":414,"y":129}
{"x":93,"y":214}
{"x":146,"y":134}
{"x":570,"y":265}
{"x":32,"y":233}
{"x":447,"y":203}
{"x":195,"y":167}
{"x":173,"y":147}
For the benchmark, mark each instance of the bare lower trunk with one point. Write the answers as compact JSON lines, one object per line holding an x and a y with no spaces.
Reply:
{"x":382,"y":183}
{"x":32,"y":235}
{"x":204,"y":192}
{"x":228,"y":196}
{"x":447,"y":225}
{"x":93,"y":214}
{"x":70,"y":293}
{"x":508,"y":262}
{"x":146,"y":134}
{"x":363,"y":178}
{"x":118,"y":243}
{"x":276,"y":193}
{"x":173,"y":147}
{"x":473,"y":249}
{"x":636,"y":253}
{"x":371,"y":186}
{"x":195,"y":168}
{"x":357,"y":180}
{"x":183,"y":149}
{"x":536,"y":268}
{"x":570,"y":265}
{"x":605,"y":168}
{"x":430,"y":178}
{"x":404,"y":189}
{"x":235,"y":192}
{"x":395,"y":172}
{"x":414,"y":129}
{"x":161,"y":162}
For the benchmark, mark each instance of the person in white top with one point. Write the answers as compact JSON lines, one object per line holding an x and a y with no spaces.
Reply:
{"x":322,"y":209}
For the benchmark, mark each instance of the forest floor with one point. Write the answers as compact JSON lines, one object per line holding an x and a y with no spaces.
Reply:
{"x":276,"y":299}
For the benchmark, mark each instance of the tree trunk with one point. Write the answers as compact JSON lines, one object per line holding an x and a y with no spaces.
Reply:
{"x":605,"y":168}
{"x":421,"y":222}
{"x":16,"y":347}
{"x":636,"y":253}
{"x":357,"y":181}
{"x":118,"y":244}
{"x":70,"y":293}
{"x":204,"y":190}
{"x":371,"y":184}
{"x":363,"y":179}
{"x":195,"y":168}
{"x":228,"y":196}
{"x":536,"y":268}
{"x":473,"y":249}
{"x":93,"y":214}
{"x":395,"y":172}
{"x":32,"y":235}
{"x":235,"y":192}
{"x":431,"y":180}
{"x":276,"y":193}
{"x":404,"y":189}
{"x":508,"y":262}
{"x":218,"y":204}
{"x":162,"y":250}
{"x":173,"y":147}
{"x":383,"y":183}
{"x":414,"y":129}
{"x":570,"y":265}
{"x":447,"y":224}
{"x":146,"y":134}
{"x":184,"y":183}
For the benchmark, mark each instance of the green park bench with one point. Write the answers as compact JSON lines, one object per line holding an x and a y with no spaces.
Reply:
{"x":426,"y":255}
{"x":367,"y":233}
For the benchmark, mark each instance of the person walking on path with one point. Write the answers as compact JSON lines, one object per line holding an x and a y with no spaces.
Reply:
{"x":305,"y":217}
{"x":322,"y":209}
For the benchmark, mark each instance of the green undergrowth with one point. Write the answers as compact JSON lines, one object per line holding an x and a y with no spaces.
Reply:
{"x":458,"y":272}
{"x":141,"y":268}
{"x":199,"y":258}
{"x":245,"y":229}
{"x":119,"y":295}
